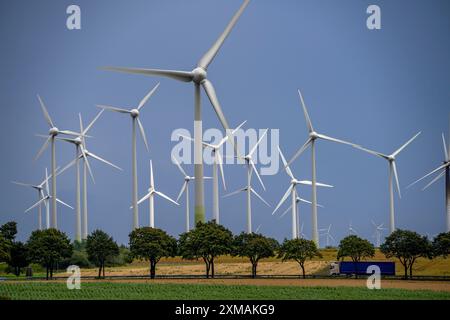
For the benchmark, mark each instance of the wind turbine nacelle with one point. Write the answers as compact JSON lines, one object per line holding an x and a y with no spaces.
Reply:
{"x":134,"y":113}
{"x":53,"y":131}
{"x":313,"y":135}
{"x":199,"y":74}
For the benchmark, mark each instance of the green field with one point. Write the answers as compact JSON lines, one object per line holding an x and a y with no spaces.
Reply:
{"x":108,"y":291}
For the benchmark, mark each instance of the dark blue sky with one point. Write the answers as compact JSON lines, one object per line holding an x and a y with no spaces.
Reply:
{"x":375,"y":88}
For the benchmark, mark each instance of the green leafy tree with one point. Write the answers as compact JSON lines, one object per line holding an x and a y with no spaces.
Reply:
{"x":18,"y":257}
{"x":5,"y":248}
{"x":255,"y":247}
{"x":206,"y":241}
{"x":152,"y":244}
{"x":299,"y":250}
{"x":8,"y":231}
{"x":406,"y":246}
{"x":48,"y":247}
{"x":356,"y":248}
{"x":100,"y":246}
{"x":441,"y":245}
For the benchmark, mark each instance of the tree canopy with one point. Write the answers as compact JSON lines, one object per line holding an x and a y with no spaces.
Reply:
{"x":207,"y":241}
{"x":8,"y":231}
{"x":255,"y":247}
{"x":152,"y":244}
{"x":355,"y":248}
{"x":48,"y":247}
{"x":441,"y":245}
{"x":99,"y":247}
{"x":299,"y":250}
{"x":406,"y":246}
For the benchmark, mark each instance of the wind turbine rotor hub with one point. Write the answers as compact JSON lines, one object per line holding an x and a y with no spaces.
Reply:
{"x":391,"y":158}
{"x":77,"y":140}
{"x":313,"y":135}
{"x":53,"y":131}
{"x":199,"y":74}
{"x":134,"y":113}
{"x":294,"y":182}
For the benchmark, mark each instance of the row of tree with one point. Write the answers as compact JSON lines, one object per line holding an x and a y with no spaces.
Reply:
{"x":206,"y":242}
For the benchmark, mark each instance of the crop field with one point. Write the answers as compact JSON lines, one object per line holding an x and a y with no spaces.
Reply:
{"x":177,"y":291}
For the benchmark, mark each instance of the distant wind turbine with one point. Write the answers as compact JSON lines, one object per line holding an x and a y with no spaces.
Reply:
{"x":313,"y":136}
{"x":378,"y":233}
{"x":329,"y":236}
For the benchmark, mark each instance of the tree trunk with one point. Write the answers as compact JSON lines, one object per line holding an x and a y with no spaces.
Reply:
{"x":356,"y":268}
{"x":100,"y":271}
{"x":406,"y":270}
{"x":254,"y":266}
{"x":212,"y":267}
{"x":103,"y":269}
{"x":152,"y":269}
{"x":410,"y":269}
{"x":46,"y":268}
{"x":303,"y":270}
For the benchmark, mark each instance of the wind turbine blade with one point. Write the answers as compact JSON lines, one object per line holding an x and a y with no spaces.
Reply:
{"x":309,"y":183}
{"x":394,"y":167}
{"x":212,"y":52}
{"x":166,"y":197}
{"x":234,"y":193}
{"x":378,"y":154}
{"x":143,"y":199}
{"x":434,"y":180}
{"x":141,"y":129}
{"x":114,"y":109}
{"x":173,"y":74}
{"x":305,"y":111}
{"x":144,"y":101}
{"x":257,"y":174}
{"x":186,"y":137}
{"x":299,"y":151}
{"x":406,"y":144}
{"x":447,"y":155}
{"x":34,"y":205}
{"x":83,"y":153}
{"x":22,"y":184}
{"x":70,"y":164}
{"x":90,"y":154}
{"x":220,"y":164}
{"x":259,"y":141}
{"x":152,"y":181}
{"x":286,"y":167}
{"x":286,"y":211}
{"x":46,"y":114}
{"x":325,"y":137}
{"x":70,"y":133}
{"x":260,"y":198}
{"x":46,"y":182}
{"x":85,"y":131}
{"x":64,"y":204}
{"x":283,"y":199}
{"x":44,"y":146}
{"x":211,"y":93}
{"x":182,"y":190}
{"x":429,"y":174}
{"x":179,"y":167}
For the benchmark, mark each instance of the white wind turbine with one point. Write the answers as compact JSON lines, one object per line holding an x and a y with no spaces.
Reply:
{"x":392,"y":174}
{"x":199,"y":77}
{"x":251,"y":167}
{"x":292,"y":190}
{"x":300,"y":232}
{"x":150,"y":196}
{"x":45,"y":200}
{"x":352,"y":230}
{"x":311,"y":141}
{"x":185,"y":189}
{"x":82,"y":153}
{"x":329,"y":236}
{"x":40,"y":188}
{"x":218,"y":163}
{"x":134,"y":113}
{"x":378,"y":233}
{"x":52,"y":133}
{"x":444,"y":170}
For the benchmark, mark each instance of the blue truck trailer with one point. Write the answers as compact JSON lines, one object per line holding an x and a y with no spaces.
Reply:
{"x":387,"y":268}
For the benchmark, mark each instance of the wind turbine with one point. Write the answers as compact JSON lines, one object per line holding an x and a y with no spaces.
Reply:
{"x":311,"y":141}
{"x":82,"y":153}
{"x":45,"y":199}
{"x":40,"y":188}
{"x":444,"y":170}
{"x":352,"y":230}
{"x":150,"y":196}
{"x":328,"y":235}
{"x":292,"y":190}
{"x":199,"y":77}
{"x":392,"y":174}
{"x":134,"y":113}
{"x":378,"y":233}
{"x":251,"y":167}
{"x":185,"y":189}
{"x":218,"y":163}
{"x":52,"y":133}
{"x":300,"y":233}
